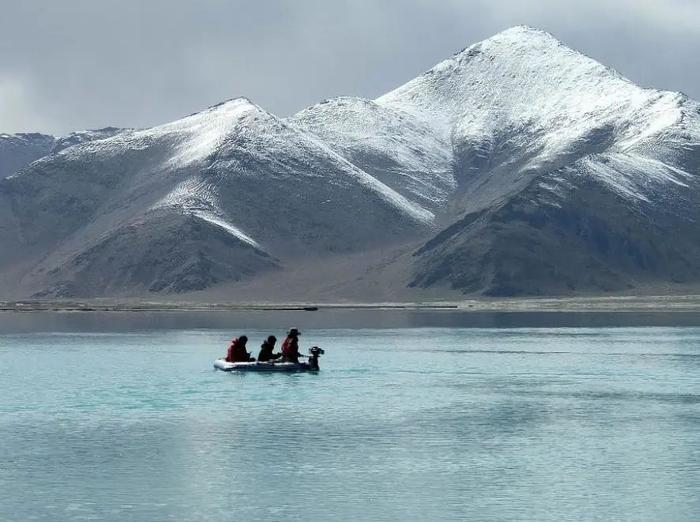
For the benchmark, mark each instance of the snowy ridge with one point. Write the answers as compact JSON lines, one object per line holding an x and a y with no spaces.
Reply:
{"x":401,"y":150}
{"x":414,"y":210}
{"x":197,"y":198}
{"x":189,"y":140}
{"x":214,"y":219}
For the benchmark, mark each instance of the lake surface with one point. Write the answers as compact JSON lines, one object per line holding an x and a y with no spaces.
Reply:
{"x":415,"y":416}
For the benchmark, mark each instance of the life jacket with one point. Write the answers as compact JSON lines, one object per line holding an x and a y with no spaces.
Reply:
{"x":236,"y":352}
{"x":230,"y":354}
{"x":290,"y":346}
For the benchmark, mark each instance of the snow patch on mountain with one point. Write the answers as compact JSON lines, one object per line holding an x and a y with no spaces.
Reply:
{"x":197,"y":198}
{"x":633,"y":175}
{"x":214,"y":219}
{"x":192,"y":194}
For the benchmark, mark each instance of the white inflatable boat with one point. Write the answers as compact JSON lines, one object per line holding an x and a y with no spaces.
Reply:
{"x":256,"y":366}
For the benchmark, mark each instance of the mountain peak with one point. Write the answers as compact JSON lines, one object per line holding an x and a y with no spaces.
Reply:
{"x":521,"y":43}
{"x":521,"y":70}
{"x":223,"y":113}
{"x":525,"y":32}
{"x":239,"y":101}
{"x":233,"y":106}
{"x":516,"y":37}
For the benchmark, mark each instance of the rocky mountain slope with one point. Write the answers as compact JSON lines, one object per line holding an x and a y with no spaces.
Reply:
{"x":516,"y":167}
{"x":19,"y":150}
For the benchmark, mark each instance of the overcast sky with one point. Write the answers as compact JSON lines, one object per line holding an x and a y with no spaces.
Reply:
{"x":74,"y":64}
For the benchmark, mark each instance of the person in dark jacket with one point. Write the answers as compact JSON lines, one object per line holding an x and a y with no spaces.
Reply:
{"x":290,"y":346}
{"x":237,"y":351}
{"x":266,"y":350}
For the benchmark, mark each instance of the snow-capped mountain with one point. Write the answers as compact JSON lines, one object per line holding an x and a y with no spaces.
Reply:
{"x":571,"y":178}
{"x":521,"y":103}
{"x":517,"y":166}
{"x":567,"y":177}
{"x":216,"y":196}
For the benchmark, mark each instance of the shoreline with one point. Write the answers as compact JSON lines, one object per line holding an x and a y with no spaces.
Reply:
{"x":617,"y":304}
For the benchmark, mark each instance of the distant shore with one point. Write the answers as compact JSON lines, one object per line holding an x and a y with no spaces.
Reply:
{"x":667,"y":303}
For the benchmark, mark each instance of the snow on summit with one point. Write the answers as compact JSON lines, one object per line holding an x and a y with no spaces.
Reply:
{"x":205,"y":131}
{"x":525,"y":93}
{"x":519,"y":75}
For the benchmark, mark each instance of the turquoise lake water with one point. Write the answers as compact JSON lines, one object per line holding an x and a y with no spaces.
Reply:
{"x":413,"y":417}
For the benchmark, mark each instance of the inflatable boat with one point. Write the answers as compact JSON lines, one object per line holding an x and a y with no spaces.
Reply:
{"x":272,"y":366}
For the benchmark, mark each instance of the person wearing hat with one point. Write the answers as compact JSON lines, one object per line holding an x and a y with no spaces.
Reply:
{"x":290,"y":346}
{"x":266,"y":350}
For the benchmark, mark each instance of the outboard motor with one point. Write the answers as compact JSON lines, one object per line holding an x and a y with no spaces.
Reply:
{"x":314,"y":353}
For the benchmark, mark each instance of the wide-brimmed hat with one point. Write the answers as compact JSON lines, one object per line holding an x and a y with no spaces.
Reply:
{"x":294,"y":331}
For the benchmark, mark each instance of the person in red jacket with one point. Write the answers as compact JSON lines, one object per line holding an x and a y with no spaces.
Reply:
{"x":290,"y":346}
{"x":237,"y":352}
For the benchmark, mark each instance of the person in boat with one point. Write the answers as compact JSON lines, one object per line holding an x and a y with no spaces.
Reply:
{"x":290,"y":346}
{"x":237,"y":351}
{"x":267,"y":350}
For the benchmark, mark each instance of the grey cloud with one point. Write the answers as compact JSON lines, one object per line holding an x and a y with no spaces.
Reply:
{"x":82,"y":63}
